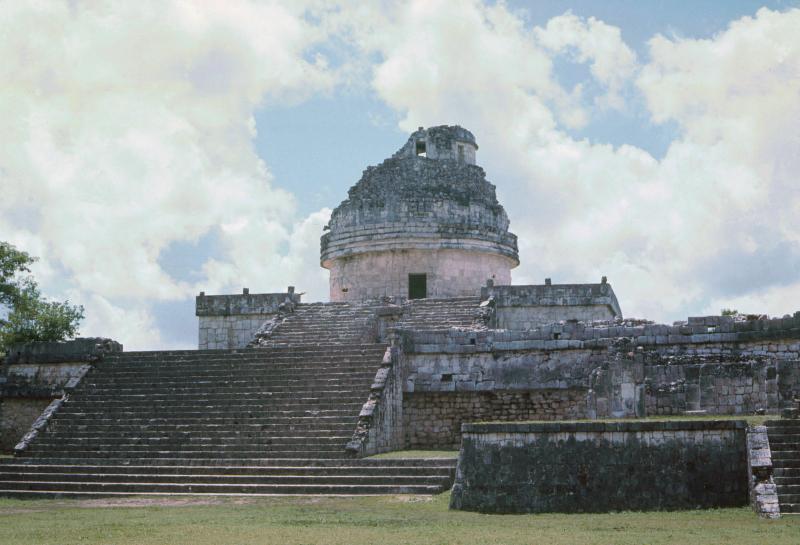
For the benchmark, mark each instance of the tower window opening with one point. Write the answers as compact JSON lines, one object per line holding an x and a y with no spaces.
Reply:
{"x":417,"y":286}
{"x":421,"y":150}
{"x":460,"y":153}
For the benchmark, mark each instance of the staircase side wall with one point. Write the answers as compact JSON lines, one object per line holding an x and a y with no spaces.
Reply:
{"x":762,"y":489}
{"x":35,"y":374}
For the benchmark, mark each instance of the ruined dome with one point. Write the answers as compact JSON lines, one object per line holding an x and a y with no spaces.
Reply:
{"x":427,"y":210}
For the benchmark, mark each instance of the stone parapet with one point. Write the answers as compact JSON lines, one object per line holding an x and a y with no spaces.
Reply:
{"x":601,"y":466}
{"x":706,"y":331}
{"x":82,"y":349}
{"x":526,"y":307}
{"x":243,"y":304}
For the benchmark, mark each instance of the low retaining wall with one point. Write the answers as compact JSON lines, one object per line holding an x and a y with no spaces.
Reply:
{"x":35,"y":374}
{"x":434,"y":419}
{"x":601,"y":466}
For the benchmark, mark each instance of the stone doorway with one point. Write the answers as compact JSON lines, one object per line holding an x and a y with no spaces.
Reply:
{"x":417,"y":286}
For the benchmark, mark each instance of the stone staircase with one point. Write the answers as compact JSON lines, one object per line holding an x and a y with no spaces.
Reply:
{"x":254,"y":421}
{"x":325,"y":323}
{"x":438,"y":314}
{"x":784,"y":442}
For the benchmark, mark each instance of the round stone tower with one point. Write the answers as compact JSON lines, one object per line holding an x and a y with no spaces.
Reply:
{"x":424,"y":223}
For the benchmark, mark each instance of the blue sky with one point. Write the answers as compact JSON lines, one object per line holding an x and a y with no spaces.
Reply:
{"x":652,"y":142}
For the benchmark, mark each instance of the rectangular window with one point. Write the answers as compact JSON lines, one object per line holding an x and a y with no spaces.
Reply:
{"x":417,"y":286}
{"x":460,"y":153}
{"x":421,"y":151}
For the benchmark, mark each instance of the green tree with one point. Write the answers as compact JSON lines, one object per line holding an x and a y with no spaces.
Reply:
{"x":729,"y":312}
{"x":28,"y":315}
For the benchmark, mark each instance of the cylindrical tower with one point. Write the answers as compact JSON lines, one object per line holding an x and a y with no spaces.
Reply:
{"x":424,"y":223}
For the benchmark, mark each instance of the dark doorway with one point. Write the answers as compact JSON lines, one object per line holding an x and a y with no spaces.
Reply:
{"x":417,"y":286}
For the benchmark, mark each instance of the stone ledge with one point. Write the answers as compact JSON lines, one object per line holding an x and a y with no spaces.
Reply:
{"x":600,"y":427}
{"x":82,"y":349}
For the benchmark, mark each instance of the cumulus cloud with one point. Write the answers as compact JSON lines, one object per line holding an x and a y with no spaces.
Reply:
{"x":612,"y":62}
{"x":668,"y":232}
{"x":129,"y":127}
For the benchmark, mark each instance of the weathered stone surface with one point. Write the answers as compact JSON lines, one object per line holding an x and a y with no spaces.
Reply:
{"x":434,"y":420}
{"x":34,"y":374}
{"x":232,"y":321}
{"x":432,"y":213}
{"x":600,"y":467}
{"x":762,"y":489}
{"x":82,"y":349}
{"x":526,"y":307}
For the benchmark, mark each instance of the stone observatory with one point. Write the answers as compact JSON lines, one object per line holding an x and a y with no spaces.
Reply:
{"x":425,"y":223}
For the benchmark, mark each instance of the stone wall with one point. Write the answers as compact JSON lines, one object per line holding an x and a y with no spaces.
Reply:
{"x":230,"y":321}
{"x":433,"y":420}
{"x":434,"y":213}
{"x":527,"y":307}
{"x":16,"y":416}
{"x":34,"y":374}
{"x":536,"y":315}
{"x":601,"y":466}
{"x":450,"y":273}
{"x":616,"y":371}
{"x":762,"y":489}
{"x":380,"y":422}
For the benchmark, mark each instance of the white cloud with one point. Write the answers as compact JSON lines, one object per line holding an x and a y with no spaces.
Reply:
{"x":612,"y":62}
{"x":668,"y":233}
{"x":129,"y":127}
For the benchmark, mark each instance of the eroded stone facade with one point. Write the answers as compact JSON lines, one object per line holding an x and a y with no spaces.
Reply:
{"x":426,"y":210}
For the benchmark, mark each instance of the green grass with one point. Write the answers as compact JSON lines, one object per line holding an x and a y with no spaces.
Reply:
{"x":361,"y":521}
{"x":418,"y":454}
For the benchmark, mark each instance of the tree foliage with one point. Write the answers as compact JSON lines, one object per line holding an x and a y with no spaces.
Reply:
{"x":28,"y":315}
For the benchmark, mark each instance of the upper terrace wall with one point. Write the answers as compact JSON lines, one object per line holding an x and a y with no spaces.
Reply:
{"x":527,"y":307}
{"x":230,"y":321}
{"x":568,"y":371}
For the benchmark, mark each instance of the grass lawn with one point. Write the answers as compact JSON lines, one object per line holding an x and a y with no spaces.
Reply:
{"x":355,"y":521}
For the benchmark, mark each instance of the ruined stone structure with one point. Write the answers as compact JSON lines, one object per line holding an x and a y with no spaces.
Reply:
{"x":424,"y":335}
{"x":424,"y":223}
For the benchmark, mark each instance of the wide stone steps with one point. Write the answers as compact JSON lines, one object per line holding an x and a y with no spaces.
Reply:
{"x":122,"y":428}
{"x":268,"y":467}
{"x":324,"y":323}
{"x":259,"y":476}
{"x":58,"y":488}
{"x":293,"y":479}
{"x":210,"y":403}
{"x":193,"y":416}
{"x":231,"y":453}
{"x":244,"y":395}
{"x":784,"y":442}
{"x":260,"y":421}
{"x":118,"y":441}
{"x":440,"y":314}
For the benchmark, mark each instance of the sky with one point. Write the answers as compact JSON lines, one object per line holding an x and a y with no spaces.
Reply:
{"x":153,"y":150}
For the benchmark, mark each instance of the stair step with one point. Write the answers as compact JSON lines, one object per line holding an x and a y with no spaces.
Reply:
{"x":135,"y":488}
